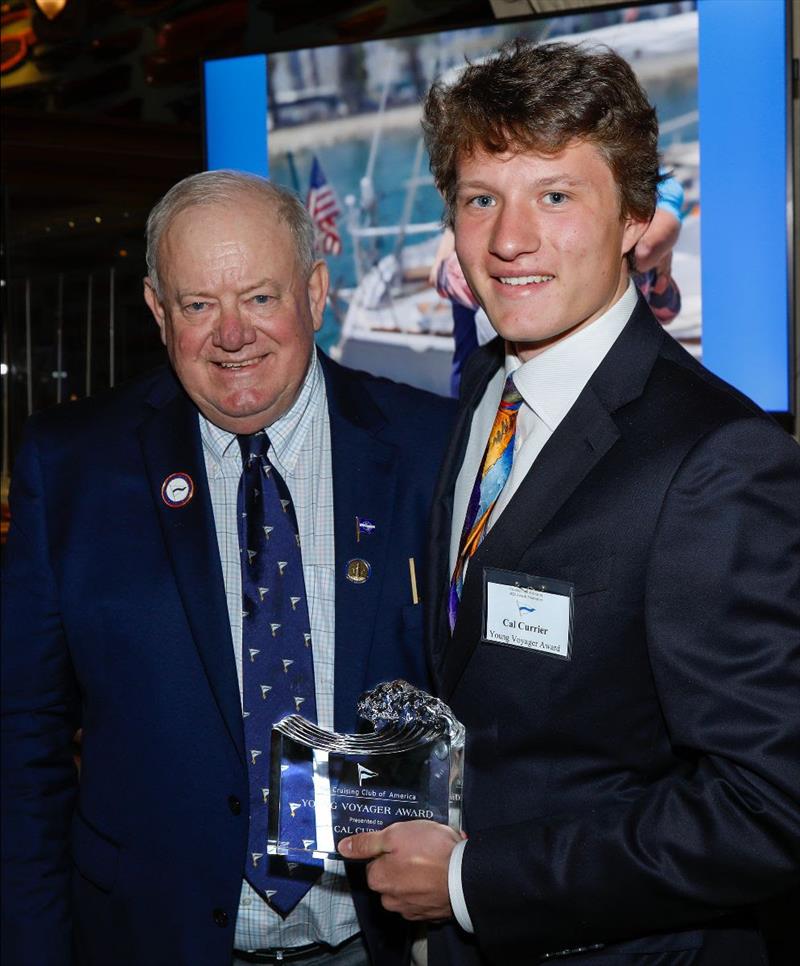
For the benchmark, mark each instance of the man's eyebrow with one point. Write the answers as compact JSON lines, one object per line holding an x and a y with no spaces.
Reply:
{"x":570,"y":181}
{"x":567,"y":180}
{"x":200,"y":293}
{"x":261,"y":283}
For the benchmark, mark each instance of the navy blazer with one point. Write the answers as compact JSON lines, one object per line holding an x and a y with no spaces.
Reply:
{"x":115,"y":620}
{"x":643,"y":794}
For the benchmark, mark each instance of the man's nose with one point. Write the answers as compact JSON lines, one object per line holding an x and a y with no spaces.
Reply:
{"x":516,"y":231}
{"x":233,"y":331}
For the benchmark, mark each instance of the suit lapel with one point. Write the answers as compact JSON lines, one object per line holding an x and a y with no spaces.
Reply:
{"x":569,"y":455}
{"x":583,"y":438}
{"x":170,"y":440}
{"x":364,"y":483}
{"x":481,"y":367}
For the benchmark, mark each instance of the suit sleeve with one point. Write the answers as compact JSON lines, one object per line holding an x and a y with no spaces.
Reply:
{"x":40,"y":712}
{"x":721,"y":828}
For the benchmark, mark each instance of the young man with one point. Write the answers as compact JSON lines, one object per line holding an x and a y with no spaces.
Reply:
{"x":192,"y":557}
{"x":614,"y":594}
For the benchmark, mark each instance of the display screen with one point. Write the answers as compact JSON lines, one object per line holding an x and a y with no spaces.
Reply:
{"x":340,"y":125}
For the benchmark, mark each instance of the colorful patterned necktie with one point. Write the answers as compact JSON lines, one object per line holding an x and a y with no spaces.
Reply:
{"x":489,"y":483}
{"x":277,"y":662}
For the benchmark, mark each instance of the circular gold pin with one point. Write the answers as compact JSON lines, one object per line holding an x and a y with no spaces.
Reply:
{"x":358,"y":571}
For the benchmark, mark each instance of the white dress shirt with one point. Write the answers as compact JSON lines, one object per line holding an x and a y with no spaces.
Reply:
{"x":300,"y":449}
{"x":549,"y":384}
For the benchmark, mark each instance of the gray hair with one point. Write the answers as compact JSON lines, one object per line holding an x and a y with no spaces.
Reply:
{"x":227,"y":188}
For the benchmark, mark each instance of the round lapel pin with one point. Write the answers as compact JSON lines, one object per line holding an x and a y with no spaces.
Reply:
{"x":177,"y":489}
{"x":358,"y":571}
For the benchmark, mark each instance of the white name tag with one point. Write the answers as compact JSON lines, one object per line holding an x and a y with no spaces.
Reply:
{"x":534,"y":613}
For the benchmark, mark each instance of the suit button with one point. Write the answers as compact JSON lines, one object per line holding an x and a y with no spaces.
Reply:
{"x":234,"y":804}
{"x":220,"y":917}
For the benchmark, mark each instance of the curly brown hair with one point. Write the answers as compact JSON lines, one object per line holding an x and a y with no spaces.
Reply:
{"x":540,"y":98}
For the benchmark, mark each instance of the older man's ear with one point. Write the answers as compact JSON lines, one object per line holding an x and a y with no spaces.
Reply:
{"x":155,"y":306}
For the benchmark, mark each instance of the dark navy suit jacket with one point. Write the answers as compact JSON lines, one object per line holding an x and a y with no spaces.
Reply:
{"x":645,"y":793}
{"x":115,"y":620}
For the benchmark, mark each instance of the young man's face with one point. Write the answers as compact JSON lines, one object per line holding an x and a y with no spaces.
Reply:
{"x":541,"y":241}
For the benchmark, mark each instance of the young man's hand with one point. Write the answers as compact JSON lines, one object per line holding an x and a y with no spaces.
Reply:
{"x":408,"y":865}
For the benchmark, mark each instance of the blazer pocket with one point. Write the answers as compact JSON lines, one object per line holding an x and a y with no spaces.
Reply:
{"x":412,"y":618}
{"x":95,"y":856}
{"x":674,"y":948}
{"x":590,"y":576}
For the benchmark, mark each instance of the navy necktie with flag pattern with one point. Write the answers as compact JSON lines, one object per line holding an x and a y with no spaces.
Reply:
{"x":277,"y":661}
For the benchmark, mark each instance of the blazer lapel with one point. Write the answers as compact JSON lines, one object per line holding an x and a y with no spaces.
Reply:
{"x":560,"y":468}
{"x":481,"y":368}
{"x":582,"y":439}
{"x":170,"y":440}
{"x":364,"y":482}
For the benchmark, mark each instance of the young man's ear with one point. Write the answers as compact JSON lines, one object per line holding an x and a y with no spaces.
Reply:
{"x":634,"y":230}
{"x":155,"y":306}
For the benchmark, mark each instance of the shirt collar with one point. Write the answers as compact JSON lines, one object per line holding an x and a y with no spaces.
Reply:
{"x":551,"y":381}
{"x":286,"y":434}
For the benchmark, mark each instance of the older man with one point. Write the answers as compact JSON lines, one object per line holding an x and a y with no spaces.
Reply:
{"x":615,"y":587}
{"x":192,"y":557}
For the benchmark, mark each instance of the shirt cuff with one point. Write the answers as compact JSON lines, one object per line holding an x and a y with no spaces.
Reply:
{"x":456,"y":889}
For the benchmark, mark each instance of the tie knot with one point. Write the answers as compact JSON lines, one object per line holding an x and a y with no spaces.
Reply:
{"x":254,"y":446}
{"x":511,"y":399}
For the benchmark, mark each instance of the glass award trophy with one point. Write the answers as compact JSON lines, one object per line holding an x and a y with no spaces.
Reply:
{"x":325,"y":786}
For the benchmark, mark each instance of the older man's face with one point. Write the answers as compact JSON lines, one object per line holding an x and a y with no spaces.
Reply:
{"x":236,"y":312}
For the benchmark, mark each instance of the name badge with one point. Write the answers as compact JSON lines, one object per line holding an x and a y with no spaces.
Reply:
{"x":533,"y":613}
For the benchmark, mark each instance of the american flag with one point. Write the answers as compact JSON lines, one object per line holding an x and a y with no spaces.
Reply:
{"x":323,"y":206}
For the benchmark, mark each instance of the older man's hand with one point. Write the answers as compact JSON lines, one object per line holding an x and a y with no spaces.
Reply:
{"x":408,"y":865}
